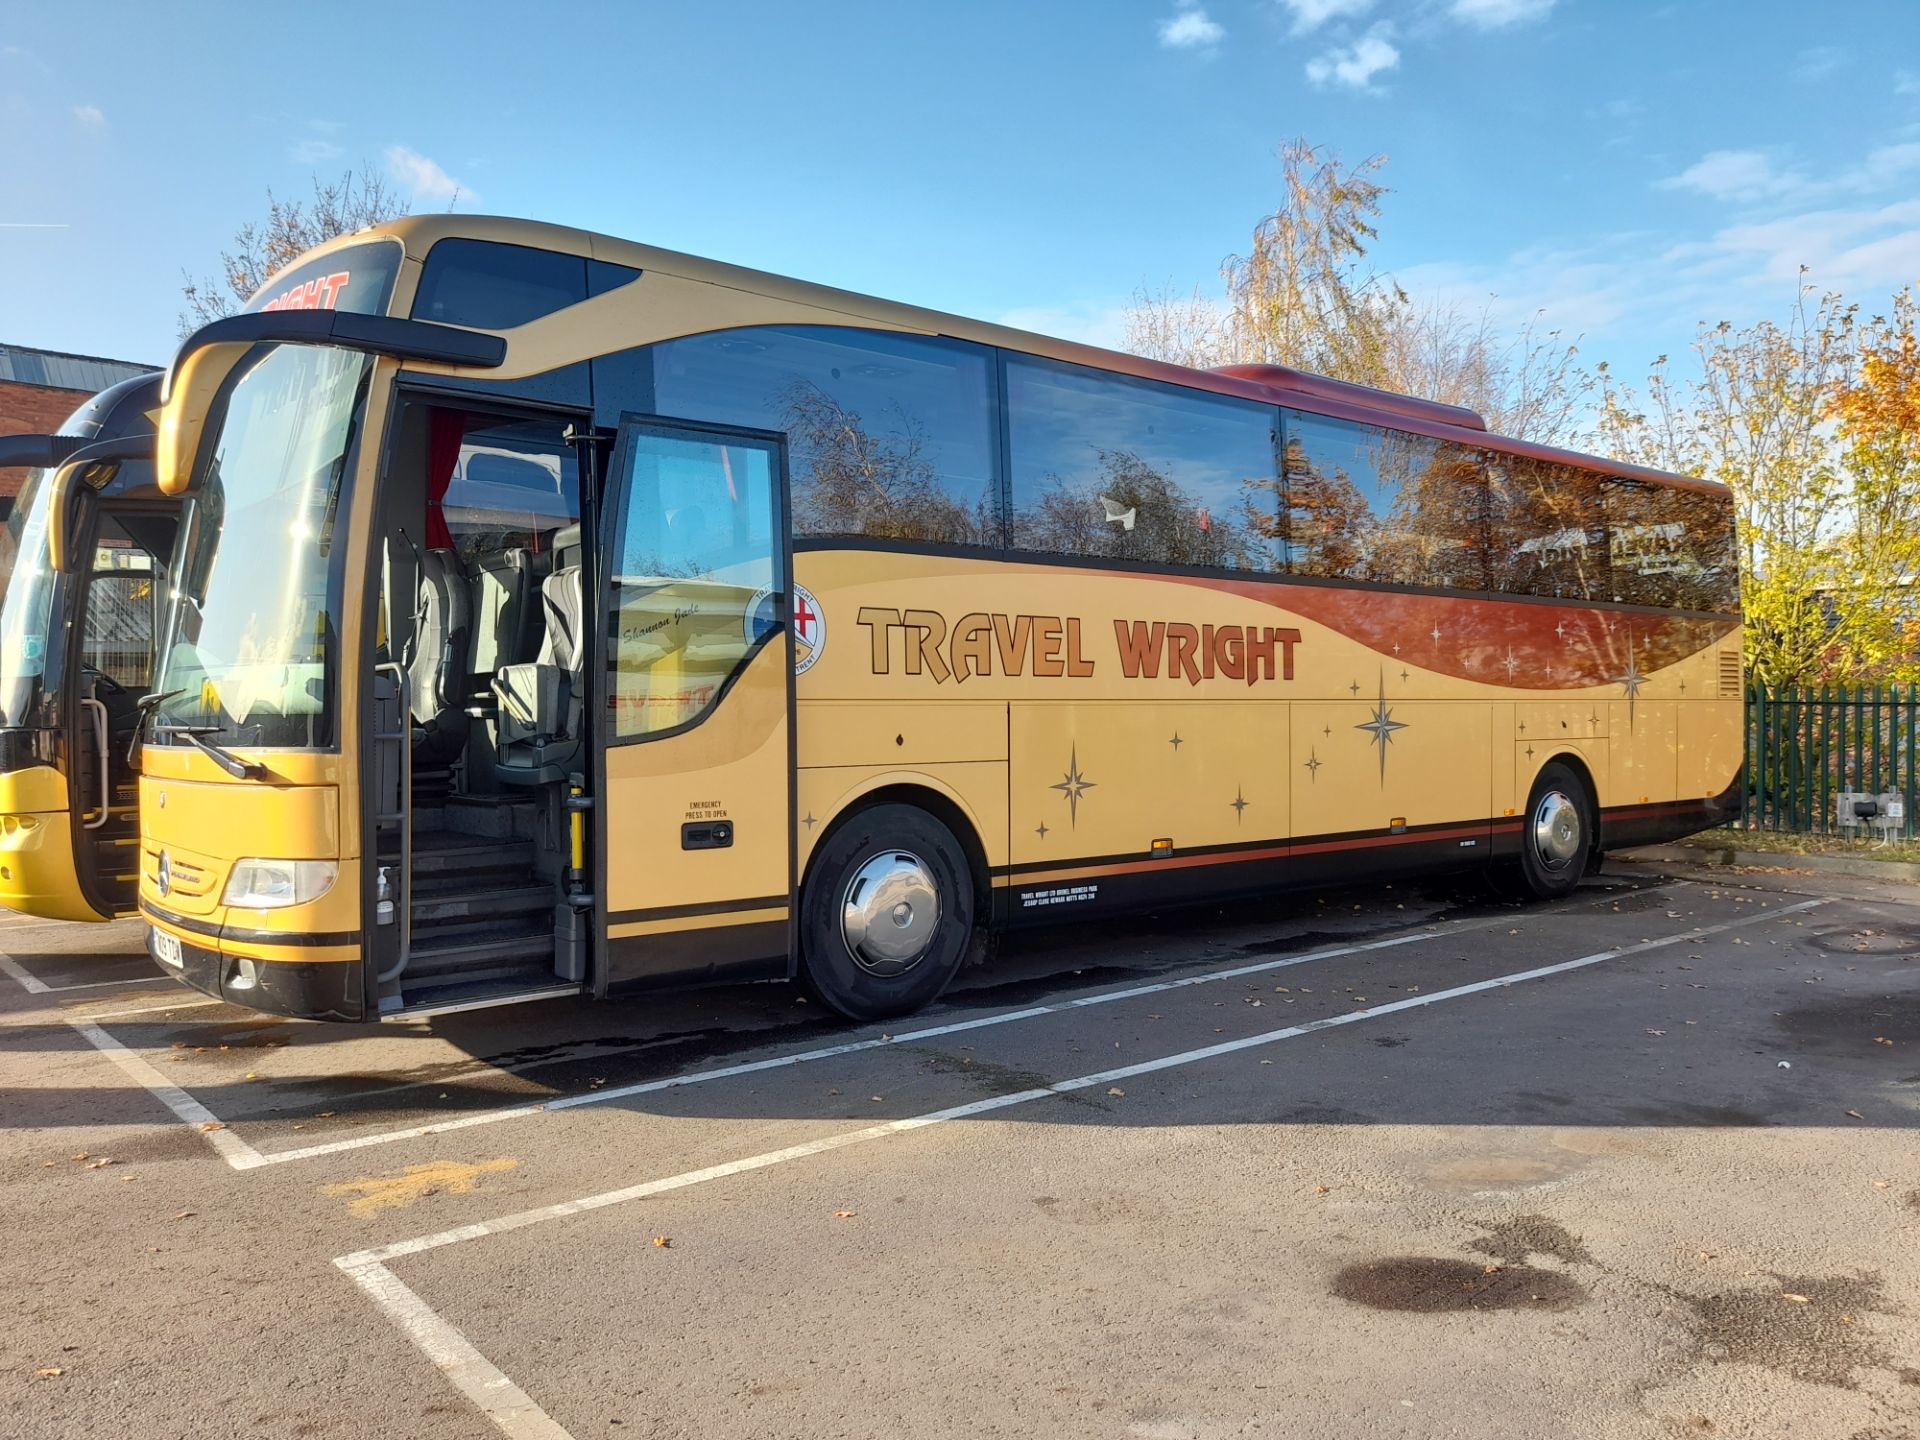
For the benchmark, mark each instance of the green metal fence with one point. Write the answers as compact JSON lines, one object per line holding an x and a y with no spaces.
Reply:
{"x":1808,"y":746}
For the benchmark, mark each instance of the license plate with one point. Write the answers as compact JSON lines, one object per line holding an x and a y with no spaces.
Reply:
{"x":166,"y":947}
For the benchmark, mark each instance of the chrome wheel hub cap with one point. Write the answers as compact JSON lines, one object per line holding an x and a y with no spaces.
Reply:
{"x":890,"y":913}
{"x":1556,"y":830}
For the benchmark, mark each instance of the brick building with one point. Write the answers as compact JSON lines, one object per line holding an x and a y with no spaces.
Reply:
{"x":41,"y":388}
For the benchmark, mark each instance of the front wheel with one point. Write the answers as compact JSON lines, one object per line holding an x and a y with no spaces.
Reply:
{"x":1557,"y":836}
{"x":887,"y":913}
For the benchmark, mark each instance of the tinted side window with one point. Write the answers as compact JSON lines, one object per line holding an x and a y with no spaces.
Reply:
{"x":1110,"y":466}
{"x":1546,"y":530}
{"x":888,"y":436}
{"x":496,"y":287}
{"x":1368,"y":503}
{"x":1669,"y":547}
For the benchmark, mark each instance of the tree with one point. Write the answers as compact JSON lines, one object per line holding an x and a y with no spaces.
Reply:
{"x":263,"y":248}
{"x":1878,"y":419}
{"x":1304,"y":295}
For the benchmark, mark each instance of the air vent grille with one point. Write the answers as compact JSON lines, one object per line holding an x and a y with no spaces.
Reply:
{"x":1730,"y":676}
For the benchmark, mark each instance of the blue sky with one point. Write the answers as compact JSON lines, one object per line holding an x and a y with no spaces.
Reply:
{"x":1628,"y":168}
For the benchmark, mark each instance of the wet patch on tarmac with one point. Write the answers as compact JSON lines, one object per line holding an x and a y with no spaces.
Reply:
{"x":1863,"y":1025}
{"x":1811,"y":1328}
{"x":1429,"y":1285}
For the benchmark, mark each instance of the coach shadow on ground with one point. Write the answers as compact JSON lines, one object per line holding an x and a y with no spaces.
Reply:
{"x":1626,"y":1043}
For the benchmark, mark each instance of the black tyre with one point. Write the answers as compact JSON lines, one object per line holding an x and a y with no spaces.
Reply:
{"x":1557,"y":833}
{"x":887,"y":913}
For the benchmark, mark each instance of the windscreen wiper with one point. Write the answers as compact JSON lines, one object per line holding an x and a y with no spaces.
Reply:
{"x":196,"y":736}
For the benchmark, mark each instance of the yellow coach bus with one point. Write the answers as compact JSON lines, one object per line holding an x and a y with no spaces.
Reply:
{"x":83,"y":555}
{"x":557,"y":615}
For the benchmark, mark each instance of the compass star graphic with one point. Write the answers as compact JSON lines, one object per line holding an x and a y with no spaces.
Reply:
{"x":1382,"y":726}
{"x":1239,"y":801}
{"x":1073,"y":786}
{"x":1632,"y":679}
{"x":1312,"y":765}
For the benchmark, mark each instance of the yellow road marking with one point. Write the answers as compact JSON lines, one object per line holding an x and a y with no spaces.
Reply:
{"x":386,"y":1192}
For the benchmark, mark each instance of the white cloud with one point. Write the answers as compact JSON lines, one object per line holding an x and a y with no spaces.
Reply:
{"x":1496,"y":14}
{"x":1858,"y":248}
{"x":1355,"y":65}
{"x":1191,"y":29}
{"x":1734,"y":175}
{"x":1748,"y":176}
{"x":313,"y":152}
{"x":1312,"y":14}
{"x":1817,"y":63}
{"x":92,"y":119}
{"x":424,"y":177}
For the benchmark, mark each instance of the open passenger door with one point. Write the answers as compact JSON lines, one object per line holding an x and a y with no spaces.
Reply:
{"x":694,"y":665}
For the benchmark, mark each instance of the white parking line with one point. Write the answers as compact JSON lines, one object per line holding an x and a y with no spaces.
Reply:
{"x":238,"y":1153}
{"x":516,"y":1414}
{"x":879,"y":1042}
{"x":34,"y":985}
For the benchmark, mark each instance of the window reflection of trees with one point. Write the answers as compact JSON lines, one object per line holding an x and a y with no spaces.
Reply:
{"x":1365,"y":503}
{"x":852,"y":480}
{"x":1130,"y":510}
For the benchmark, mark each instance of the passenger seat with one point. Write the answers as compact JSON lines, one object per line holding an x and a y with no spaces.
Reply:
{"x":441,"y":661}
{"x":540,"y":703}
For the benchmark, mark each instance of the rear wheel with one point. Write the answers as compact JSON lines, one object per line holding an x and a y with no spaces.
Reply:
{"x":887,"y":913}
{"x":1558,"y":833}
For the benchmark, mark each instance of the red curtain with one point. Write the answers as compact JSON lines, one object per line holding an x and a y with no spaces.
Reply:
{"x":448,"y":429}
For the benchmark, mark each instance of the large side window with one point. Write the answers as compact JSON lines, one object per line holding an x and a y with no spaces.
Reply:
{"x":1669,"y":546}
{"x":1124,"y":469}
{"x":889,"y":436}
{"x":697,"y":566}
{"x":1546,"y":530}
{"x":1368,"y":503}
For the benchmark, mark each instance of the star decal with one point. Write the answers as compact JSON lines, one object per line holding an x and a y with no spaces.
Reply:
{"x":1042,"y":831}
{"x":809,"y":821}
{"x":1239,"y":803}
{"x":1561,"y":629}
{"x":1511,"y":663}
{"x":1312,"y":765}
{"x":1435,"y":632}
{"x":1382,"y":726}
{"x":1632,"y":679}
{"x":1073,"y":786}
{"x":1354,"y":688}
{"x":1176,"y":742}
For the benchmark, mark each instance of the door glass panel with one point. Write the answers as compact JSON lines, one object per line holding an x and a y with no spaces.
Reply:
{"x":695,"y":574}
{"x":118,"y":641}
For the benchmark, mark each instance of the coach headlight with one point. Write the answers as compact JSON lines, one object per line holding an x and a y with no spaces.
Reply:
{"x":270,"y":884}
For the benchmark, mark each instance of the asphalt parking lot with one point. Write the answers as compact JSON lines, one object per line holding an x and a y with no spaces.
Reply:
{"x":1407,"y":1161}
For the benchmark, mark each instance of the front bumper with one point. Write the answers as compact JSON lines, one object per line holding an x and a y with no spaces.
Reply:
{"x":303,"y":989}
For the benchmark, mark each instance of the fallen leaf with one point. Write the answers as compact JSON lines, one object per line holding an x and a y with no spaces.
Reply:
{"x":1881,"y":1040}
{"x":1281,"y":990}
{"x":1116,"y":1092}
{"x":1882,"y":1184}
{"x":213,"y":1125}
{"x":1856,"y":1114}
{"x":1706,"y":1254}
{"x":104,"y":1160}
{"x":251,"y":1076}
{"x":186,"y":1214}
{"x":661,"y":1242}
{"x":325,"y":1115}
{"x":1489,"y":1269}
{"x":845,"y":1214}
{"x":48,"y":1372}
{"x":81,"y":1156}
{"x":1319,"y":1189}
{"x":1656,"y":1032}
{"x":876,"y":1099}
{"x":1796,"y":1299}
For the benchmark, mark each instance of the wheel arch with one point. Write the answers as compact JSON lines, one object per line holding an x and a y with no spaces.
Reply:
{"x":1583,"y":772}
{"x":925,"y":794}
